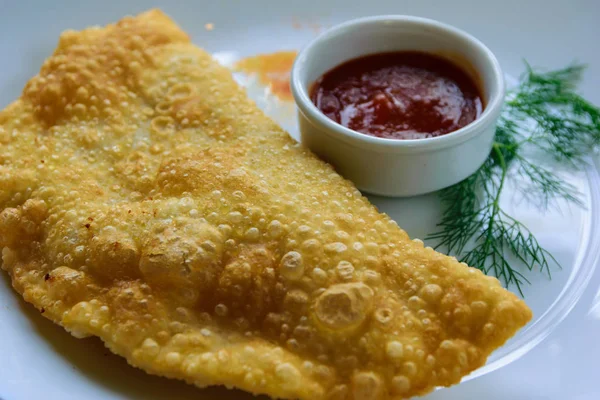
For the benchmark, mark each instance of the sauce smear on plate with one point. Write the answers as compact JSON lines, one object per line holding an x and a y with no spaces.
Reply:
{"x":400,"y":95}
{"x":273,"y":70}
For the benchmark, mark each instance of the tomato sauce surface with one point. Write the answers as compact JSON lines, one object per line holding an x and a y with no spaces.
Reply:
{"x":400,"y":95}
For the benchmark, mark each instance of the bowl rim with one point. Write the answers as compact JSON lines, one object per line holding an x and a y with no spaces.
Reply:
{"x":312,"y":113}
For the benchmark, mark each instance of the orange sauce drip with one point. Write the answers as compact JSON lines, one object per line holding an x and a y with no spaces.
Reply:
{"x":273,"y":70}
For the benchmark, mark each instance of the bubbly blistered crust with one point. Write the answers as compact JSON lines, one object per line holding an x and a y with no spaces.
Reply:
{"x":145,"y":200}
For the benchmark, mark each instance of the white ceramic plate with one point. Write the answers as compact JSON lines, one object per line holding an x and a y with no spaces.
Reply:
{"x":554,"y":357}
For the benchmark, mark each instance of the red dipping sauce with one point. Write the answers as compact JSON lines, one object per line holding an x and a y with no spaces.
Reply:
{"x":400,"y":95}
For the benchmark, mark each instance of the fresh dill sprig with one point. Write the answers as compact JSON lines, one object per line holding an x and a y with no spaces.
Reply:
{"x":544,"y":114}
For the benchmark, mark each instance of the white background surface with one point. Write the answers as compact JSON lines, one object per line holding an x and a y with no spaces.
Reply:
{"x":40,"y":360}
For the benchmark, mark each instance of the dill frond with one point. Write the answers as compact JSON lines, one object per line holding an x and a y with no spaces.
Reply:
{"x":546,"y":114}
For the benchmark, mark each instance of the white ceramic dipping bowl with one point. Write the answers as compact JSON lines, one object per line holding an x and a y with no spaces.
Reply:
{"x":392,"y":167}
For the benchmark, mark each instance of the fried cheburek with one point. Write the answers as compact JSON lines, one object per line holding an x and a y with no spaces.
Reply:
{"x":146,"y":200}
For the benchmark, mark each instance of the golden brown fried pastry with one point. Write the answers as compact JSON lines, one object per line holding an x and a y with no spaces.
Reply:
{"x":147,"y":201}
